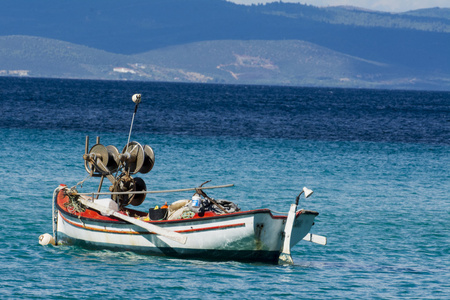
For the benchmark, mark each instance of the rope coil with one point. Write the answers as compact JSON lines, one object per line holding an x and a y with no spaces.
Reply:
{"x":73,"y":205}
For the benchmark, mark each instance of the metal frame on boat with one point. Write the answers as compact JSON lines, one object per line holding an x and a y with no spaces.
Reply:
{"x":201,"y":228}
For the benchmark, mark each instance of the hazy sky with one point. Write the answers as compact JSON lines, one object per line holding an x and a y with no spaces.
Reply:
{"x":382,"y":5}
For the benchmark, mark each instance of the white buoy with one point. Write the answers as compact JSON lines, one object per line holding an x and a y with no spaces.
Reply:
{"x":45,"y":239}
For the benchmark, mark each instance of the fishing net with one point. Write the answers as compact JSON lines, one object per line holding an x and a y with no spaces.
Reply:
{"x":73,"y":205}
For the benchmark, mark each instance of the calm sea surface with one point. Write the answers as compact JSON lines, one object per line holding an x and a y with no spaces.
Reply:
{"x":378,"y":161}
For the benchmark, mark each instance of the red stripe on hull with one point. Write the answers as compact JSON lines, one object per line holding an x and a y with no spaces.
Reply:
{"x":147,"y":232}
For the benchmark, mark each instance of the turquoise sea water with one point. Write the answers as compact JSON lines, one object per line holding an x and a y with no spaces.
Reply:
{"x":378,"y":162}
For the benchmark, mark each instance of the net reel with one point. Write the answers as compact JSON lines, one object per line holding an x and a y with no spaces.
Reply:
{"x":126,"y":183}
{"x":137,"y":158}
{"x":134,"y":158}
{"x":102,"y":160}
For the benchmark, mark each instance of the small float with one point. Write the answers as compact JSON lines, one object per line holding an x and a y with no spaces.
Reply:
{"x":198,"y":227}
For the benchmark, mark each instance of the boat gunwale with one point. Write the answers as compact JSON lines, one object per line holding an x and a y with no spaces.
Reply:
{"x":197,"y":219}
{"x":105,"y":219}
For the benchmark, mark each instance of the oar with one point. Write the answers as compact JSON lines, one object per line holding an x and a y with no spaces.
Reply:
{"x":285,"y":255}
{"x":174,"y":236}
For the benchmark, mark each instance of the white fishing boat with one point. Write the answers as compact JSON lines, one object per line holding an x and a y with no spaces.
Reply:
{"x":199,"y":227}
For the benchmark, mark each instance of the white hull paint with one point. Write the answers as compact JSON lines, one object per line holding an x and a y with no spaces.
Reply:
{"x":252,"y":235}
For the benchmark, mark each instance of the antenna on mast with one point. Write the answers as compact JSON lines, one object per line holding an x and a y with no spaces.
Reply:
{"x":136,"y":99}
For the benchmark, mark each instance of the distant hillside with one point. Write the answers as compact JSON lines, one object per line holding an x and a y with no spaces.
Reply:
{"x":276,"y":43}
{"x":267,"y":62}
{"x":438,"y":15}
{"x":295,"y":63}
{"x":432,"y":20}
{"x":43,"y":57}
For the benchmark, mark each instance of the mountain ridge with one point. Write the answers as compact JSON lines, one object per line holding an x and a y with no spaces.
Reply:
{"x":362,"y":48}
{"x":292,"y":63}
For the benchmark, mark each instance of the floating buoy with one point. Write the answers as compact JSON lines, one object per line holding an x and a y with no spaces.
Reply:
{"x":45,"y":239}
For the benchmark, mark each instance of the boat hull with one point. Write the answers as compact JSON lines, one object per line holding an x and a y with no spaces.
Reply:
{"x":255,"y":235}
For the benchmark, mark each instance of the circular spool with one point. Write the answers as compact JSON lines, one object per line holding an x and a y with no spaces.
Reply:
{"x":149,"y":159}
{"x":136,"y":161}
{"x":101,"y":153}
{"x":124,"y":183}
{"x":140,"y":186}
{"x":113,"y":161}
